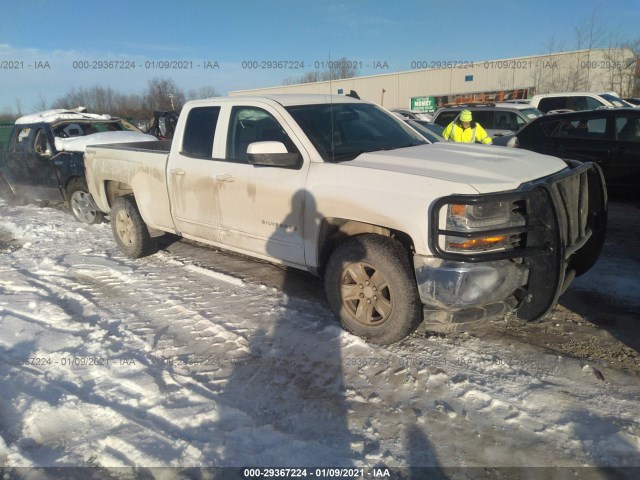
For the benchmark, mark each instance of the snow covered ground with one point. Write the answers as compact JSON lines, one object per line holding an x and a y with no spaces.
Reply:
{"x":171,"y":361}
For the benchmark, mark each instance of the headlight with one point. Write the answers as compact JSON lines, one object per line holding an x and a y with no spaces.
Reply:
{"x":464,"y":217}
{"x":480,"y":227}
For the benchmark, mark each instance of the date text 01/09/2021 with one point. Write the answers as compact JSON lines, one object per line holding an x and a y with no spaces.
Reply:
{"x":302,"y":472}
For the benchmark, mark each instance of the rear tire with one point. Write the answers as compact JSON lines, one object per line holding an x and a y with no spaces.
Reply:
{"x":81,"y":203}
{"x":371,"y":288}
{"x":129,"y":229}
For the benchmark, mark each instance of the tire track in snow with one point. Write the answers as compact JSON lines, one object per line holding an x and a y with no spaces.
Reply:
{"x":110,"y":293}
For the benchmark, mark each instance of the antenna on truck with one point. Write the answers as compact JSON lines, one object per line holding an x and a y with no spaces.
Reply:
{"x":333,"y":157}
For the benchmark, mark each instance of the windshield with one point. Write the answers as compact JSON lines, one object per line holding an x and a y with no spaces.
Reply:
{"x":617,"y":101}
{"x":342,"y":131}
{"x":531,"y":113}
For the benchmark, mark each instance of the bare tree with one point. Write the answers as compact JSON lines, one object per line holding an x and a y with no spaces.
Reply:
{"x":309,"y":77}
{"x":18,"y":107}
{"x":163,"y":94}
{"x":634,"y":46}
{"x":589,"y":35}
{"x":160,"y":94}
{"x":545,"y":78}
{"x":202,"y":92}
{"x":603,"y":62}
{"x":100,"y":99}
{"x":621,"y":64}
{"x":41,"y":104}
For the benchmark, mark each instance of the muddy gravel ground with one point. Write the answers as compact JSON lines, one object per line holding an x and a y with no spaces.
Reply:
{"x":586,"y":324}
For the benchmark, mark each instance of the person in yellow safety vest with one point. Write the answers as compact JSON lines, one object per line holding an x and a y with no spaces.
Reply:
{"x":465,"y":130}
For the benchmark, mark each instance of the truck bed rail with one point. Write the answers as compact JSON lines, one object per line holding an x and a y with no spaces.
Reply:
{"x":160,"y":146}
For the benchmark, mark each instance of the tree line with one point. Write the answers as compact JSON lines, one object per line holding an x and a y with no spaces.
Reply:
{"x":159,"y":94}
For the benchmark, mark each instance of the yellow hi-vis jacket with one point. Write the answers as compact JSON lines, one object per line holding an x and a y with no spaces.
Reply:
{"x":475,"y":133}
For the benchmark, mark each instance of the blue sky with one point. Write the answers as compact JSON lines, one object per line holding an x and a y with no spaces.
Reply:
{"x":391,"y":33}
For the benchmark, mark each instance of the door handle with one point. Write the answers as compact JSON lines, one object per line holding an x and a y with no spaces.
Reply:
{"x":58,"y":163}
{"x":176,"y":171}
{"x":225,"y":177}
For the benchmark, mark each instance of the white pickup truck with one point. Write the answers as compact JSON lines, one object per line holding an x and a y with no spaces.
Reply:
{"x":402,"y":231}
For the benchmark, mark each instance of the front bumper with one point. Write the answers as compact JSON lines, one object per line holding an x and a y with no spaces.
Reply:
{"x":562,"y":237}
{"x":460,"y":292}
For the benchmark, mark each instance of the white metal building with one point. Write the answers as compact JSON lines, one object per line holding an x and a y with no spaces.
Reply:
{"x":490,"y":80}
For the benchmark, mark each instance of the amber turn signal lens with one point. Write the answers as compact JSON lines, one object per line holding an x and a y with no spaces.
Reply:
{"x":459,"y":210}
{"x":481,"y":243}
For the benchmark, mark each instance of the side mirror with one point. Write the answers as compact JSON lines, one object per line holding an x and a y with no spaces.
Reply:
{"x":272,"y":154}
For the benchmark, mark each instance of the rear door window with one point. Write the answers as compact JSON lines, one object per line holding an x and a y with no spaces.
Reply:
{"x":577,"y":103}
{"x":592,"y":103}
{"x":593,"y":129}
{"x":628,"y":128}
{"x":507,"y":121}
{"x":484,"y":118}
{"x":199,"y":132}
{"x":548,"y":127}
{"x":552,"y":103}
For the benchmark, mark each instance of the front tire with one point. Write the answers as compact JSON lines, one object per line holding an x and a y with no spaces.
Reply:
{"x":81,"y":203}
{"x":371,"y":288}
{"x":129,"y":229}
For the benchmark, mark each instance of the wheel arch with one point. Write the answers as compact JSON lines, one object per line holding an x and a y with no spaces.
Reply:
{"x":335,"y":231}
{"x":68,"y":182}
{"x":114,"y":189}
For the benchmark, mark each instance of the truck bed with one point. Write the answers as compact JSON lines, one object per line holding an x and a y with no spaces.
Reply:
{"x":139,"y":167}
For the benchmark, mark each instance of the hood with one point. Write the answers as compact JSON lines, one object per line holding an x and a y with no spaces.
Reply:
{"x":79,"y":144}
{"x":485,"y":168}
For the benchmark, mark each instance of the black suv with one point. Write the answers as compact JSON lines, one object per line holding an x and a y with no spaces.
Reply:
{"x":608,"y":137}
{"x":496,"y":118}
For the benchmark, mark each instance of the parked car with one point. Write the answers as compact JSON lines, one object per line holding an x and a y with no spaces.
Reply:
{"x":608,"y":137}
{"x":43,"y":158}
{"x":633,"y":101}
{"x":402,"y":231}
{"x":575,"y":101}
{"x":496,"y":118}
{"x":413,"y":114}
{"x":429,"y":130}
